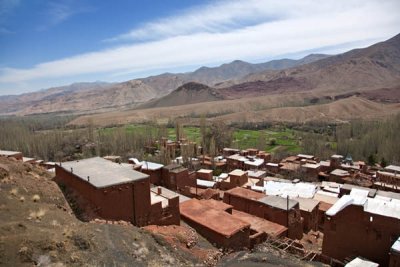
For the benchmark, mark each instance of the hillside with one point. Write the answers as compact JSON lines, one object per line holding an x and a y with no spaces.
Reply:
{"x":101,"y":97}
{"x":189,"y":93}
{"x":374,"y":67}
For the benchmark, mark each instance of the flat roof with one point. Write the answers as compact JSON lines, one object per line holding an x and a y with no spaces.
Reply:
{"x":8,"y":153}
{"x":26,"y":159}
{"x":256,"y":174}
{"x":337,"y":156}
{"x":278,"y":202}
{"x":237,"y":172}
{"x":216,"y":220}
{"x":388,"y":194}
{"x":151,"y":166}
{"x":340,"y":172}
{"x":327,"y":197}
{"x":245,"y":193}
{"x":371,"y":191}
{"x":170,"y":194}
{"x":255,"y":162}
{"x":102,"y":172}
{"x":307,"y":204}
{"x":215,"y":204}
{"x":393,"y":168}
{"x":272,"y":164}
{"x":260,"y":225}
{"x":305,"y":156}
{"x":207,"y":171}
{"x":204,"y":183}
{"x":396,"y":245}
{"x":358,"y":262}
{"x":311,"y":165}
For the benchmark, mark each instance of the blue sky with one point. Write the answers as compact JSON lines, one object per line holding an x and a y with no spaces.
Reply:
{"x":53,"y":43}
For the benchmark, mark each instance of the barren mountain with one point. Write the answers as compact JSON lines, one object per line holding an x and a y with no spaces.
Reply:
{"x":374,"y":67}
{"x":188,"y":93}
{"x":100,"y":97}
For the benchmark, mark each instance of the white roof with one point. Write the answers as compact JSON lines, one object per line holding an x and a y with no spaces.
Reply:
{"x":307,"y":204}
{"x":359,"y":196}
{"x":396,"y":245}
{"x":8,"y":153}
{"x":325,"y":163}
{"x":25,"y":159}
{"x":304,"y":190}
{"x":339,"y":172}
{"x":305,"y":156}
{"x":357,"y":262}
{"x":135,"y":160}
{"x":337,"y":156}
{"x":204,"y":183}
{"x":223,"y":175}
{"x":151,"y":166}
{"x":102,"y":172}
{"x":393,"y":168}
{"x":238,"y":157}
{"x":256,"y":162}
{"x":272,"y":164}
{"x":381,"y":206}
{"x":256,"y":174}
{"x":257,"y":188}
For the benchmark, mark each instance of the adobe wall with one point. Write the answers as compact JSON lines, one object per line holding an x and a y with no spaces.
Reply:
{"x":154,"y":175}
{"x":167,"y":216}
{"x":113,"y":203}
{"x":394,"y":259}
{"x":279,"y":216}
{"x":350,"y":232}
{"x":310,"y":220}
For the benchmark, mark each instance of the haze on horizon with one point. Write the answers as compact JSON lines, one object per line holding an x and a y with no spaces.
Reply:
{"x":53,"y":43}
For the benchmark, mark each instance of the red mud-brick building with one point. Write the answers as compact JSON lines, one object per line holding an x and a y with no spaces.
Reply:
{"x":389,"y":178}
{"x":395,"y":254}
{"x":154,"y":170}
{"x":235,"y":178}
{"x":177,"y":178}
{"x":216,"y":225}
{"x":116,"y":191}
{"x":204,"y":174}
{"x":361,"y":226}
{"x":279,"y":210}
{"x":309,"y":213}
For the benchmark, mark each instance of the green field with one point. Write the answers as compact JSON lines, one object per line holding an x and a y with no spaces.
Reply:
{"x":282,"y":139}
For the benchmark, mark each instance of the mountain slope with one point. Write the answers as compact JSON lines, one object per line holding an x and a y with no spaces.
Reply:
{"x":98,"y":97}
{"x":377,"y":66}
{"x":189,"y":93}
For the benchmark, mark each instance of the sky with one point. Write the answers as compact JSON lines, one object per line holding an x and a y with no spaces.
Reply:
{"x":48,"y":43}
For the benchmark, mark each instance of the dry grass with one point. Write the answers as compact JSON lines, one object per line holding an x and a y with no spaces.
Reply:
{"x":35,"y":198}
{"x":37,"y":215}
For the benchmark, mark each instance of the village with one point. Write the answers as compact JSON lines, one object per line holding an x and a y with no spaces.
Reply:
{"x":337,"y":211}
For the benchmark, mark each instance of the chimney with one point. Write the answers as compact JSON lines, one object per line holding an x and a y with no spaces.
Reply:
{"x":72,"y":170}
{"x":88,"y":178}
{"x":159,"y":190}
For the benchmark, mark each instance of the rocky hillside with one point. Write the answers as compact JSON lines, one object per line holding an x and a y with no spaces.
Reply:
{"x":189,"y":93}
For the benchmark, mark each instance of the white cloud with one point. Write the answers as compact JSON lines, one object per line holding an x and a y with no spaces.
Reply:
{"x":202,"y":37}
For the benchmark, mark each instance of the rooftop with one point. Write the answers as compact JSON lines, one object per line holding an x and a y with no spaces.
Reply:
{"x":256,"y":174}
{"x":216,"y":220}
{"x":358,"y":262}
{"x":204,"y":183}
{"x":339,"y":172}
{"x":304,"y":156}
{"x":337,"y":156}
{"x":283,"y":189}
{"x":307,"y":204}
{"x":237,"y":172}
{"x":381,"y":206}
{"x":205,"y":171}
{"x":255,"y":162}
{"x":102,"y":172}
{"x":393,"y":168}
{"x":215,"y":204}
{"x":259,"y":224}
{"x":245,"y":193}
{"x":396,"y":246}
{"x":349,"y":187}
{"x":169,"y":193}
{"x":311,"y":166}
{"x":8,"y":153}
{"x":278,"y":202}
{"x":151,"y":166}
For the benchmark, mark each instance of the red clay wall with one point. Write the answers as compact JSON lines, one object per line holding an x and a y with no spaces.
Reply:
{"x":310,"y":220}
{"x":279,"y":216}
{"x":350,"y":233}
{"x":155,"y":175}
{"x":107,"y":200}
{"x":394,"y":260}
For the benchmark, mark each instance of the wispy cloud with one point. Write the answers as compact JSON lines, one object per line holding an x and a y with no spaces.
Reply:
{"x":306,"y":26}
{"x":59,"y":11}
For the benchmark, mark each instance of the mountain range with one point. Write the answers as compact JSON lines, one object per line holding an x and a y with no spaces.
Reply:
{"x":372,"y":73}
